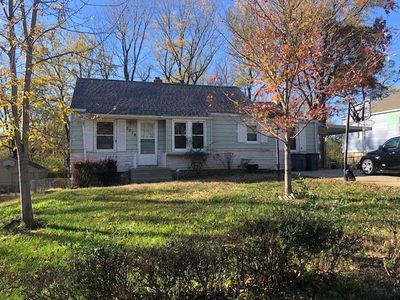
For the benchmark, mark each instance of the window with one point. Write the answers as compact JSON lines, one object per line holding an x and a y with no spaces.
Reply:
{"x":198,"y":135}
{"x":180,"y":135}
{"x":105,"y":135}
{"x":293,"y":144}
{"x":189,"y":135}
{"x":252,"y":134}
{"x":391,"y":144}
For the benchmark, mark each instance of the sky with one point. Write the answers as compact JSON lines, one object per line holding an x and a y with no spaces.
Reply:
{"x":393,"y":22}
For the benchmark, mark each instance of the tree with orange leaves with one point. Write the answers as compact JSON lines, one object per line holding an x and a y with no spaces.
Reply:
{"x":291,"y":44}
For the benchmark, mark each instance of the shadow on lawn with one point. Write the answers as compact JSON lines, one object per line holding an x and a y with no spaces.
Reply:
{"x":67,"y":228}
{"x":64,"y":234}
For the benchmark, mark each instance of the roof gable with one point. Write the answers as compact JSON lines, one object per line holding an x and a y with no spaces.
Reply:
{"x":118,"y":97}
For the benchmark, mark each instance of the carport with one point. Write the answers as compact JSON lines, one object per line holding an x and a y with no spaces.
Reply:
{"x":325,"y":130}
{"x":335,"y":129}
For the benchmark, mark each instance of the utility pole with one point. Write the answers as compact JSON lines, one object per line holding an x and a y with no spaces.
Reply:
{"x":346,"y":146}
{"x":278,"y":167}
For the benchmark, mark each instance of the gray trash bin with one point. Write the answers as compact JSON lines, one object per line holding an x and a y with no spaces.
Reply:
{"x":298,"y":162}
{"x":312,"y":161}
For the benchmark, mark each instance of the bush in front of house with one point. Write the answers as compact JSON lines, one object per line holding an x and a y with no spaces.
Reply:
{"x":263,"y":259}
{"x":188,"y":268}
{"x":94,"y":173}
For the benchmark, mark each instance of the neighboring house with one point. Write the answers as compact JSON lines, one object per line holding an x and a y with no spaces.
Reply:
{"x":159,"y":124}
{"x":384,"y":124}
{"x":9,"y":179}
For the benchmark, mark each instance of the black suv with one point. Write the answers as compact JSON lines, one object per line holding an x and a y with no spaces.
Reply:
{"x":386,"y":158}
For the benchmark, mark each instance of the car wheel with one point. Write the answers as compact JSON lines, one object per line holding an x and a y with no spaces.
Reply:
{"x":367,"y":166}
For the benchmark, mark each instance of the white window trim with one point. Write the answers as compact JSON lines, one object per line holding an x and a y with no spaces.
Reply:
{"x":173,"y":135}
{"x":188,"y":134}
{"x":114,"y":136}
{"x":257,"y":134}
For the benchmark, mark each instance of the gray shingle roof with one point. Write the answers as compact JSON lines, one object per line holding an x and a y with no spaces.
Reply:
{"x":98,"y":96}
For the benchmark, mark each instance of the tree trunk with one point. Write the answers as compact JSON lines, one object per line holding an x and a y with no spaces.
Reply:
{"x":25,"y":188}
{"x":288,"y":168}
{"x":22,"y":140}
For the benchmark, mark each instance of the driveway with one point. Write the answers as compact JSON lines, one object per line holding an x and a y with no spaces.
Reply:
{"x":388,"y":180}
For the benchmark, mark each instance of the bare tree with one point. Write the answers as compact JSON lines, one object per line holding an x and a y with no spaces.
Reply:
{"x":188,"y":39}
{"x":132,"y":22}
{"x":103,"y":61}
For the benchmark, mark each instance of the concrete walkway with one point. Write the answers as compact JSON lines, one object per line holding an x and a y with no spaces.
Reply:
{"x":388,"y":180}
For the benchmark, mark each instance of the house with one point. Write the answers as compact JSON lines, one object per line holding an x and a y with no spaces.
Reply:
{"x":142,"y":124}
{"x":383,"y":124}
{"x":9,"y":179}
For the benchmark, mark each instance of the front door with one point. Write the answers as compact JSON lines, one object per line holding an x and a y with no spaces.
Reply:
{"x":147,"y":143}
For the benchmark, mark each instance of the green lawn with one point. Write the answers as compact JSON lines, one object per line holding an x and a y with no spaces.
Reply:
{"x":151,"y":214}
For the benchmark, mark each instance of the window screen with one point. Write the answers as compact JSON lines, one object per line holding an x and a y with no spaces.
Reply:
{"x":105,"y":135}
{"x":180,"y":135}
{"x":252,"y":133}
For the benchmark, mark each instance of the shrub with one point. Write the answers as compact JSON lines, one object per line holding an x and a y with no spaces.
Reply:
{"x":102,"y":272}
{"x":391,"y":260}
{"x":183,"y":269}
{"x":226,"y":159}
{"x":91,"y":273}
{"x":94,"y":173}
{"x":260,"y":267}
{"x":52,"y":283}
{"x":106,"y":172}
{"x":342,"y":248}
{"x":268,"y":258}
{"x":197,"y":160}
{"x":83,"y":174}
{"x":309,"y":241}
{"x":304,"y":236}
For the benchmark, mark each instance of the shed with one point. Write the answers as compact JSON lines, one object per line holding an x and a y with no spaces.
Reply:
{"x":9,"y":174}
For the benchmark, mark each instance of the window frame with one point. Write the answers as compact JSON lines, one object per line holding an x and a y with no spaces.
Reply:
{"x":189,"y":135}
{"x":257,"y":141}
{"x":174,"y":135}
{"x":203,"y":135}
{"x":113,"y":135}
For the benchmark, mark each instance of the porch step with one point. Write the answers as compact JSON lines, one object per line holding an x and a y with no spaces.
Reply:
{"x":150,"y":174}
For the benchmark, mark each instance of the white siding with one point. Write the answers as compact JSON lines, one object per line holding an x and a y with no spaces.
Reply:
{"x":222,"y":133}
{"x":121,"y":135}
{"x":384,"y":126}
{"x":89,"y":135}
